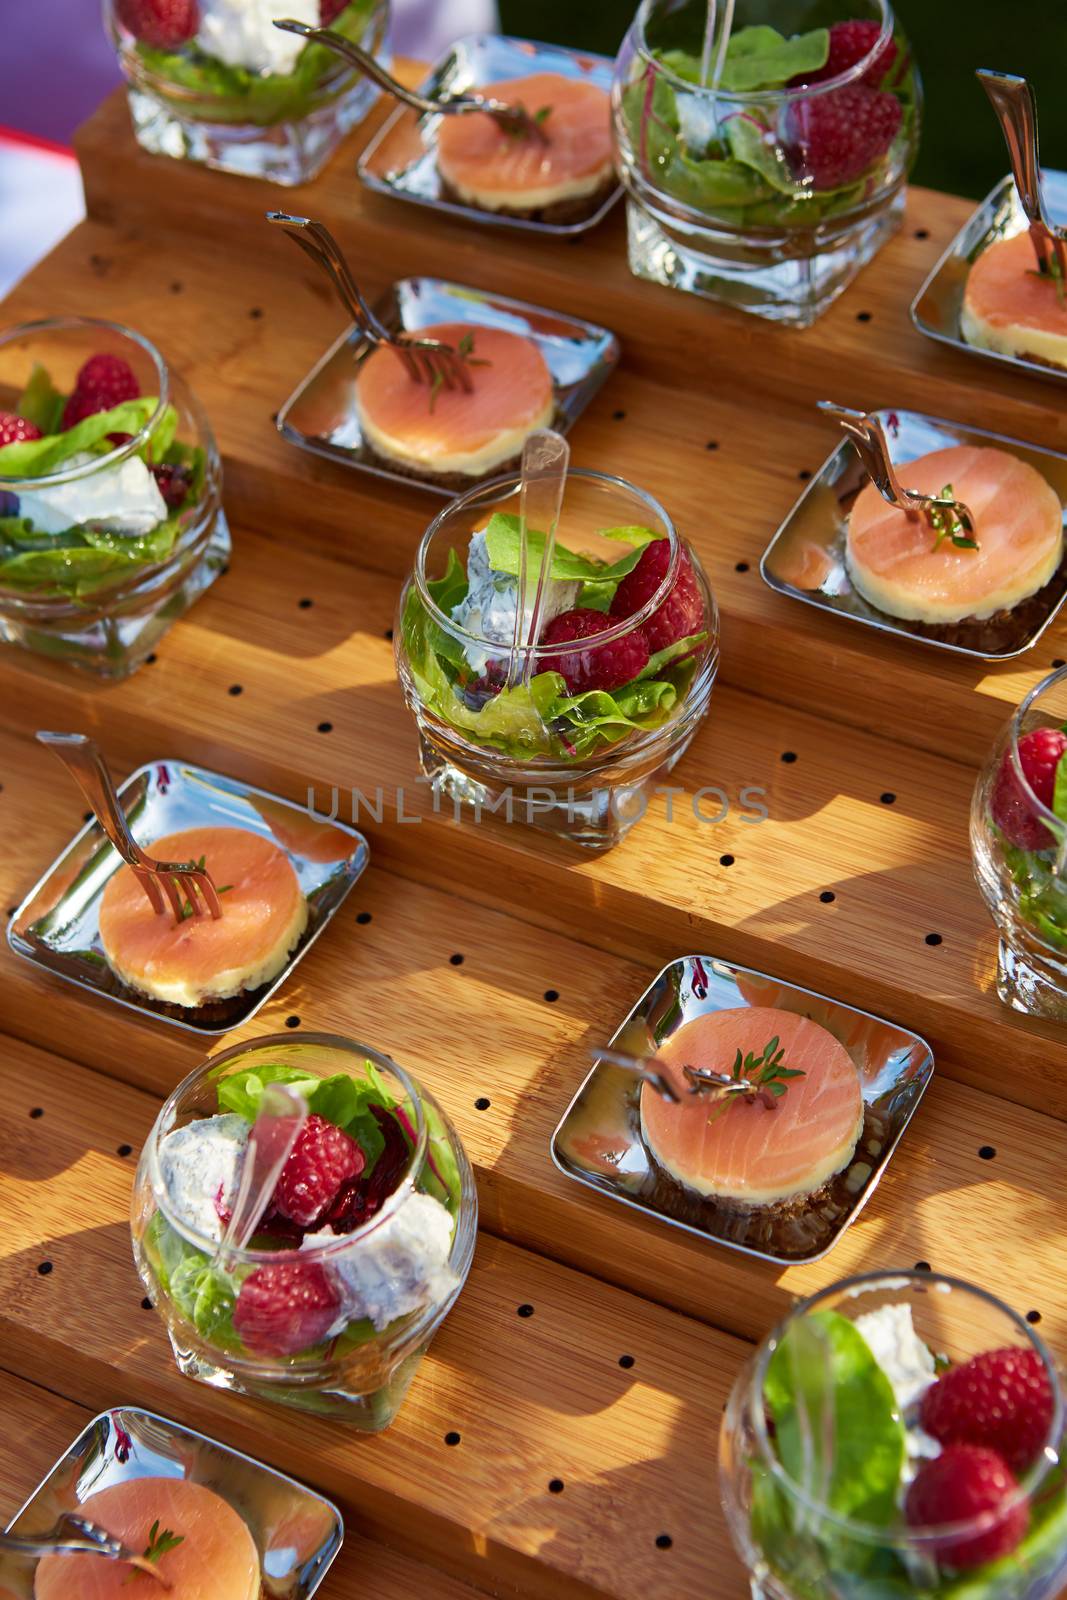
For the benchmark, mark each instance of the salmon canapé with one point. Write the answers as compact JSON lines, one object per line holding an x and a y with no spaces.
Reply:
{"x":264,"y":914}
{"x":739,"y":1149}
{"x":440,"y":430}
{"x":900,"y":565}
{"x":490,"y":166}
{"x":215,"y":1558}
{"x":1010,"y":307}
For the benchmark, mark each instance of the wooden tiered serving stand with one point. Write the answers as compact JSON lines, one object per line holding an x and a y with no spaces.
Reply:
{"x":561,"y":1438}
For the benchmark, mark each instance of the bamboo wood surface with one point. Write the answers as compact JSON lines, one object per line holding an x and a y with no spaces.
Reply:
{"x":40,"y":1426}
{"x":535,"y":1398}
{"x":392,"y":982}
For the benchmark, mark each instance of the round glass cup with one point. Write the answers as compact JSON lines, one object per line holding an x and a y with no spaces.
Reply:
{"x":1019,"y":850}
{"x":494,"y":747}
{"x":190,"y":105}
{"x":797,"y":1546}
{"x":361,"y":1373}
{"x":132,"y":547}
{"x":768,"y":200}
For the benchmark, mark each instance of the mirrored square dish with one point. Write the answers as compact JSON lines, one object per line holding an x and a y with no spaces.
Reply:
{"x":297,"y":1532}
{"x":57,"y":925}
{"x":935,"y":311}
{"x":401,"y":159}
{"x":599,"y":1139}
{"x":321,"y":415}
{"x":806,"y":558}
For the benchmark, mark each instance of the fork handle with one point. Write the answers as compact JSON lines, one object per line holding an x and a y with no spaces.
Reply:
{"x":868,"y":436}
{"x":1012,"y":99}
{"x":316,"y":240}
{"x":83,"y":760}
{"x":364,"y":62}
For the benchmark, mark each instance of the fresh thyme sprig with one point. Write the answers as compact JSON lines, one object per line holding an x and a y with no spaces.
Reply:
{"x":463,"y":350}
{"x":766,"y":1073}
{"x":201,"y":866}
{"x":947,"y":525}
{"x":517,"y":129}
{"x":159,"y":1545}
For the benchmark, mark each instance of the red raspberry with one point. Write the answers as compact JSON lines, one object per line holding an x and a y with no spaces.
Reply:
{"x":14,"y":430}
{"x":104,"y":381}
{"x":1013,"y":807}
{"x":849,"y":43}
{"x":831,"y":139}
{"x":1001,"y":1399}
{"x":322,"y":1159}
{"x":965,"y":1482}
{"x":173,"y":484}
{"x":681,"y":613}
{"x":330,"y":10}
{"x":160,"y":23}
{"x":606,"y":666}
{"x":285,"y":1307}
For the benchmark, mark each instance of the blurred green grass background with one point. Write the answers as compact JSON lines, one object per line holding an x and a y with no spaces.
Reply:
{"x":962,"y":148}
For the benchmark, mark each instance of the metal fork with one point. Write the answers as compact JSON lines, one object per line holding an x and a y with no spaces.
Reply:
{"x":427,"y":360}
{"x":516,"y":120}
{"x":699,"y":1080}
{"x":1013,"y":100}
{"x":87,"y":767}
{"x":73,"y":1535}
{"x":868,"y":435}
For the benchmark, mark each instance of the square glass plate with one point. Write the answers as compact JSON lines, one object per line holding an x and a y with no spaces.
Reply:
{"x":806,"y":558}
{"x":936,"y":308}
{"x":297,"y":1532}
{"x":57,"y":925}
{"x":599,"y":1140}
{"x":401,"y":159}
{"x":321,"y":415}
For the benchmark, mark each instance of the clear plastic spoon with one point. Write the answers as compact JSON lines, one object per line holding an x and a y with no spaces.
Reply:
{"x":281,"y":1115}
{"x":545,"y":458}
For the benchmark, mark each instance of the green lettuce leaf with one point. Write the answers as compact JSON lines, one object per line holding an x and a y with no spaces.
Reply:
{"x":32,"y":458}
{"x":762,"y":58}
{"x":502,"y":542}
{"x":672,"y":652}
{"x":80,"y":561}
{"x":340,"y":1099}
{"x":1059,"y":792}
{"x":40,"y":402}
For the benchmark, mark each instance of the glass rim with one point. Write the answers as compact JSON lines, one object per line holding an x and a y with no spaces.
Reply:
{"x":1045,"y":812}
{"x":900,"y":1532}
{"x":749,"y":97}
{"x":499,"y":489}
{"x":209,"y":1069}
{"x":88,"y":469}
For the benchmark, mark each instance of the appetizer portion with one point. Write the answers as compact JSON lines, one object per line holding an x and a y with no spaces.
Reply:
{"x":1012,"y":308}
{"x":199,"y":1546}
{"x":83,"y":515}
{"x":435,"y":431}
{"x":775,"y":1145}
{"x":907,"y":567}
{"x":1018,"y":829}
{"x":936,"y":1475}
{"x":201,"y":959}
{"x":560,"y":170}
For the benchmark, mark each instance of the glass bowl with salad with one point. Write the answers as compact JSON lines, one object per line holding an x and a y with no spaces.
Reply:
{"x":359,"y":1253}
{"x":215,"y":81}
{"x":764,"y":148}
{"x":566,"y":729}
{"x":111,"y":520}
{"x":899,"y":1434}
{"x":1019,"y":849}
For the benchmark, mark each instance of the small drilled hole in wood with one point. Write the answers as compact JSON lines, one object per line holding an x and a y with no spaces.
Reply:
{"x":726,"y":861}
{"x":1033,"y":1318}
{"x":555,"y":1485}
{"x":44,"y":1268}
{"x":11,"y":910}
{"x":292,"y":1022}
{"x":863,"y":316}
{"x":933,"y":938}
{"x":388,"y":633}
{"x":827,"y":897}
{"x":452,"y":1438}
{"x":235,"y":688}
{"x":124,"y":1150}
{"x":663,"y":1541}
{"x":456,"y":960}
{"x":305,"y":604}
{"x":146,"y":1304}
{"x":922,"y":1266}
{"x":1059,"y":662}
{"x":325,"y":727}
{"x":37,"y":1111}
{"x":551,"y":995}
{"x":987,"y":1151}
{"x":803,"y":474}
{"x":525,"y":1310}
{"x":712,"y":444}
{"x":617,"y":416}
{"x":922,"y":233}
{"x":482,"y":1103}
{"x":741,"y":566}
{"x":887,"y":799}
{"x":789,"y":756}
{"x":176,"y":288}
{"x":87,"y":816}
{"x":151,"y":659}
{"x":363,"y":918}
{"x":255,"y":313}
{"x":626,"y":1362}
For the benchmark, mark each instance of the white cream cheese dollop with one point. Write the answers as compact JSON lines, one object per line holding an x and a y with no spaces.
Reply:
{"x":241,"y":33}
{"x":201,"y":1168}
{"x":491,"y":603}
{"x":125,"y":498}
{"x":909,"y":1365}
{"x":399,"y":1267}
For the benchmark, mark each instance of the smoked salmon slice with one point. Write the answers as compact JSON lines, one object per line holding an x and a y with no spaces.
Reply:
{"x":1009,"y":306}
{"x":264,"y":914}
{"x":216,"y":1559}
{"x":894,"y":564}
{"x":747,"y":1153}
{"x":491,"y":167}
{"x":453,"y":430}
